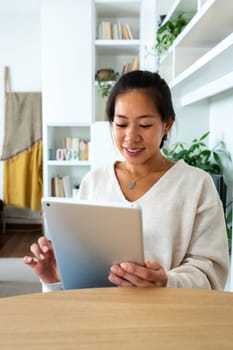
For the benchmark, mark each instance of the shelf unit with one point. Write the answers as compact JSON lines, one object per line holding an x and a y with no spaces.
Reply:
{"x":211,"y":89}
{"x":75,"y":169}
{"x":188,"y":7}
{"x":117,"y":47}
{"x":72,"y":53}
{"x":200,"y":42}
{"x":198,"y":67}
{"x":114,"y":53}
{"x":67,"y":84}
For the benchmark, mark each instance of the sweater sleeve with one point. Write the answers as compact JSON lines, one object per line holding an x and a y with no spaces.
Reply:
{"x":206,"y":262}
{"x":51,"y":287}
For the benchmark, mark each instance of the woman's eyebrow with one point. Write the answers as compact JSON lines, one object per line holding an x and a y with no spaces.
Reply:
{"x":146,"y":116}
{"x":120,"y":116}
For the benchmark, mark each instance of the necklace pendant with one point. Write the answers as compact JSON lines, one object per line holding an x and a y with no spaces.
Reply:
{"x":131,"y":185}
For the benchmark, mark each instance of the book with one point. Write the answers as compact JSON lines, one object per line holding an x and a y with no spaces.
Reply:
{"x":128,"y":30}
{"x":119,"y":34}
{"x":67,"y":142}
{"x":100,"y":31}
{"x":86,"y":151}
{"x":106,"y":30}
{"x":123,"y":32}
{"x":67,"y":186}
{"x":115,"y":32}
{"x":135,"y":63}
{"x":58,"y":188}
{"x":75,"y":148}
{"x":61,"y":192}
{"x":53,"y":192}
{"x":81,"y":149}
{"x":125,"y":68}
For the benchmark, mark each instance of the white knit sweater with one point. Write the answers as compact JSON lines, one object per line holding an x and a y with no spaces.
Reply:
{"x":183,"y":223}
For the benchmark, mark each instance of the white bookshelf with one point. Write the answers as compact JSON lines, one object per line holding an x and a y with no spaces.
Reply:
{"x":179,"y":6}
{"x":72,"y":54}
{"x":112,"y":53}
{"x":211,"y":89}
{"x":67,"y":84}
{"x":54,"y":140}
{"x":206,"y":31}
{"x":118,"y":47}
{"x":121,"y":13}
{"x":207,"y":59}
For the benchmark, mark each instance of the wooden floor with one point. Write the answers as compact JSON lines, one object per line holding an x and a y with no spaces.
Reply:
{"x":15,"y":243}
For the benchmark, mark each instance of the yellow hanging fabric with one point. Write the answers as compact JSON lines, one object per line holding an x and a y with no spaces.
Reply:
{"x":22,"y":148}
{"x":23,"y":179}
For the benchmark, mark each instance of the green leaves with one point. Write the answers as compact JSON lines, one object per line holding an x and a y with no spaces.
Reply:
{"x":104,"y":86}
{"x":197,"y":154}
{"x":167,"y":33}
{"x":214,"y":161}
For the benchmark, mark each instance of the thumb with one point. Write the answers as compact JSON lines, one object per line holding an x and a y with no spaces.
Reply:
{"x":153,"y":265}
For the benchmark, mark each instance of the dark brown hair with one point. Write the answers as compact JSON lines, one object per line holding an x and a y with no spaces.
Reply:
{"x":150,"y":84}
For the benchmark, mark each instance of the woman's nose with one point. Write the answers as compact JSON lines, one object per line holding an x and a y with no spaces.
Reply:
{"x":132,"y":135}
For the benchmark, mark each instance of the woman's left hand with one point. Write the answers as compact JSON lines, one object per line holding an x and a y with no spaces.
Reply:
{"x":128,"y":274}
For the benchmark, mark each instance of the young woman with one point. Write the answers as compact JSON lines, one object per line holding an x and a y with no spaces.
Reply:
{"x":185,"y":239}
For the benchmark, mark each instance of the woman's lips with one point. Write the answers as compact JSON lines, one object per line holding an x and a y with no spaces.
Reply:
{"x":133,"y":152}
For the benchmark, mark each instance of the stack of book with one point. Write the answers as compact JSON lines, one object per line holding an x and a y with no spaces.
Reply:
{"x":61,"y":186}
{"x":114,"y":31}
{"x":134,"y":65}
{"x":76,"y":148}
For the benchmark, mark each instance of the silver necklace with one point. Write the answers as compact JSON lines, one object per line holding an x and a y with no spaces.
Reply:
{"x":132,"y":184}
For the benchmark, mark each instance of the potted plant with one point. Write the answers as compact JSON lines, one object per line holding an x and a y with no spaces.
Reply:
{"x":216,"y":161}
{"x":75,"y":190}
{"x":105,"y":78}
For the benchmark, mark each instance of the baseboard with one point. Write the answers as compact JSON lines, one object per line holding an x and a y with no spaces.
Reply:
{"x":23,"y":226}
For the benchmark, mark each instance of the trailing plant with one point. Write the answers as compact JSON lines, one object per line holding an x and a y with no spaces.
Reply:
{"x":168,"y":32}
{"x":104,"y":88}
{"x":105,"y":79}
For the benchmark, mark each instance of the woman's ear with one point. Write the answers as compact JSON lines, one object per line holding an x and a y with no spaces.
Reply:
{"x":168,"y":126}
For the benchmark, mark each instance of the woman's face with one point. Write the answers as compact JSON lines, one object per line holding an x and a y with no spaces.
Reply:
{"x":138,"y":128}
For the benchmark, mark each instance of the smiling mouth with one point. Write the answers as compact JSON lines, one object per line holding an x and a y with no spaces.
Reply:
{"x":133,"y":150}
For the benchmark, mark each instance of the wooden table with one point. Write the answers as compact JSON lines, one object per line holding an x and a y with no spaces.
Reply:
{"x":118,"y":318}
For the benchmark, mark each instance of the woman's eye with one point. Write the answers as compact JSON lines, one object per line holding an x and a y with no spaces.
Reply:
{"x":121,"y":125}
{"x":145,"y":126}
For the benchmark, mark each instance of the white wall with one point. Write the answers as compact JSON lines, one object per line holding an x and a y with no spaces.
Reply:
{"x":221,"y":128}
{"x":20,"y":50}
{"x":221,"y":119}
{"x":148,"y":25}
{"x":67,"y":48}
{"x":221,"y":124}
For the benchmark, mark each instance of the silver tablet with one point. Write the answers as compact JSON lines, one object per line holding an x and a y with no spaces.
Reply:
{"x":89,"y":236}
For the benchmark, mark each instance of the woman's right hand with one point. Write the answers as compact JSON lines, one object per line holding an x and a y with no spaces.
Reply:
{"x":43,"y":263}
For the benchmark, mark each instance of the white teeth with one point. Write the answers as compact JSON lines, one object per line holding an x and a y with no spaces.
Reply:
{"x":133,"y":150}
